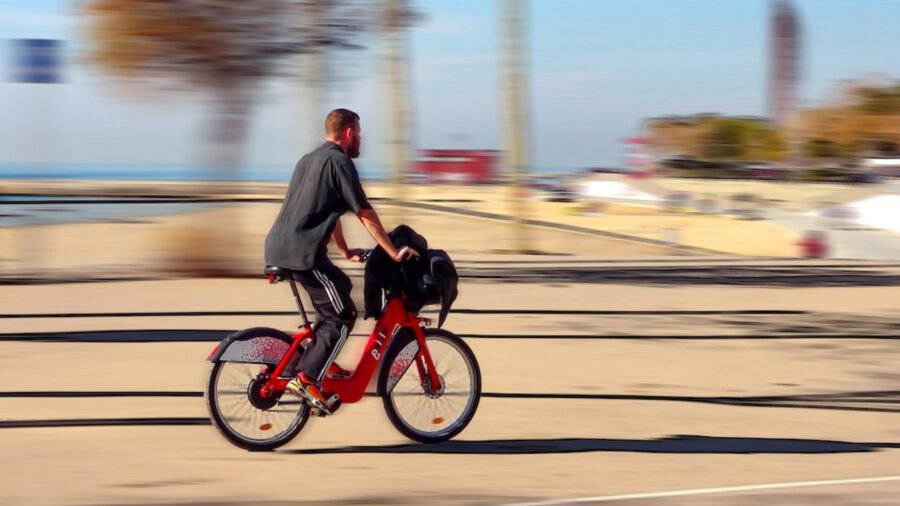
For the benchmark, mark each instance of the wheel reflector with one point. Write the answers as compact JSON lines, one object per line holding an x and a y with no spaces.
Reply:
{"x":265,"y":426}
{"x":437,"y":420}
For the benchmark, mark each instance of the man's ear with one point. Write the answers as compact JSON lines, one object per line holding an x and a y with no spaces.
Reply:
{"x":348,"y":133}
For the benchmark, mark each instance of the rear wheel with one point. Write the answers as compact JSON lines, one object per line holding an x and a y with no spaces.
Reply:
{"x":412,"y":407}
{"x":245,"y":417}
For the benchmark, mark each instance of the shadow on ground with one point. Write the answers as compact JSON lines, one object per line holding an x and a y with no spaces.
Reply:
{"x":811,"y":323}
{"x":672,"y":444}
{"x":877,"y":401}
{"x":691,"y":275}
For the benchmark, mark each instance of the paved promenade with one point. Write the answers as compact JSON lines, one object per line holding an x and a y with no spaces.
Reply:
{"x":715,"y":377}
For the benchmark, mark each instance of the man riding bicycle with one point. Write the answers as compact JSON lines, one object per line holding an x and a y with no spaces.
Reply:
{"x":324,"y":186}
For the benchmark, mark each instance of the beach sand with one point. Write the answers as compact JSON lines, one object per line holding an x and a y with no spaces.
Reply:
{"x":464,"y":220}
{"x":649,"y":370}
{"x":803,"y":409}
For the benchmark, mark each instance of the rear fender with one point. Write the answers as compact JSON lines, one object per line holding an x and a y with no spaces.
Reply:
{"x":257,"y":345}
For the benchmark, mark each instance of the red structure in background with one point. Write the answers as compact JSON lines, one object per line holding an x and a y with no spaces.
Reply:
{"x":813,"y":245}
{"x":637,"y":157}
{"x":456,"y":165}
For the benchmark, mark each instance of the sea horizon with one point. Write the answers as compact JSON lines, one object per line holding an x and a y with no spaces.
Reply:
{"x":136,"y":172}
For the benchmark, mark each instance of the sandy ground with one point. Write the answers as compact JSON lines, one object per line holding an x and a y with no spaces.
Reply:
{"x":669,"y":401}
{"x":463,"y":220}
{"x":658,"y":396}
{"x":783,"y":195}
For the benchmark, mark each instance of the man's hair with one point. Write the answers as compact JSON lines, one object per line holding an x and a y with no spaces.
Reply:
{"x":338,"y":120}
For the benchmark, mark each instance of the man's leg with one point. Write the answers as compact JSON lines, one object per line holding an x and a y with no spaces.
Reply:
{"x":329,"y":289}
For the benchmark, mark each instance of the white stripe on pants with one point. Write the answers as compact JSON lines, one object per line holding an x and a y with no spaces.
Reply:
{"x":334,"y":352}
{"x":330,"y":290}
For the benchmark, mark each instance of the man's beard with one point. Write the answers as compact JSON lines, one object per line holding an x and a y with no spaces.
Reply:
{"x":353,"y":150}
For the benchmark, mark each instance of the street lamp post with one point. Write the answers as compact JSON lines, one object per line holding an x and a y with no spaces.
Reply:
{"x":396,"y":17}
{"x":515,"y":115}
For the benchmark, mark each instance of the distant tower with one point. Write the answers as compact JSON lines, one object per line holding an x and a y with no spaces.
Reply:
{"x":784,"y":62}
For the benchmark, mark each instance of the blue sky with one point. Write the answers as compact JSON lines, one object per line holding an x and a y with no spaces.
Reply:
{"x":597,"y":68}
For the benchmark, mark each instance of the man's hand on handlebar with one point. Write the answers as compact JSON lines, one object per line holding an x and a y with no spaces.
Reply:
{"x":404,"y":253}
{"x":362,"y":255}
{"x":356,"y":255}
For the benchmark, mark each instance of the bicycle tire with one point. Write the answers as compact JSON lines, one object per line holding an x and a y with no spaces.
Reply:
{"x":402,"y":391}
{"x":253,"y":436}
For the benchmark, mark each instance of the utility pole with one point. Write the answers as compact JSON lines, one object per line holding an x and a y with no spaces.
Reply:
{"x":515,"y":115}
{"x":396,"y":18}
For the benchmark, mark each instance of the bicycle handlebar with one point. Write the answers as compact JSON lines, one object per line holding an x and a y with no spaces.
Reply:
{"x":368,"y":254}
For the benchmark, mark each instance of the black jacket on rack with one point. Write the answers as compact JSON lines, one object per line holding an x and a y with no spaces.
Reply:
{"x":430,"y":279}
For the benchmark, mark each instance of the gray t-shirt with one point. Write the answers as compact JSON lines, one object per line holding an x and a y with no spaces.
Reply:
{"x":324,"y":186}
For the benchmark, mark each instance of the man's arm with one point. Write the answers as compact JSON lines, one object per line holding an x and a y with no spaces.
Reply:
{"x":370,"y":220}
{"x":354,"y":255}
{"x":355,"y":197}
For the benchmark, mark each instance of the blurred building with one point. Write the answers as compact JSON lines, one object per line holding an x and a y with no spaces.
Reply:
{"x":456,"y":165}
{"x":785,"y":61}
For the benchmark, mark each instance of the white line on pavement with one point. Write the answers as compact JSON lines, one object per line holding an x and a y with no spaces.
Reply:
{"x":701,"y":491}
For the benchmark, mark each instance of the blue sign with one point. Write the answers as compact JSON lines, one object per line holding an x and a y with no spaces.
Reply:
{"x":37,"y":61}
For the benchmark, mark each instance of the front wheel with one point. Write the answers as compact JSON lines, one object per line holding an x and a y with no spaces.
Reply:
{"x":412,"y":406}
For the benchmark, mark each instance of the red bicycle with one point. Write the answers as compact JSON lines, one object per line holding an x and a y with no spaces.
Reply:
{"x":428,"y":403}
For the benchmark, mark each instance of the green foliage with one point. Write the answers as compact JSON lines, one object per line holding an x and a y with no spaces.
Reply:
{"x":826,"y":174}
{"x":822,"y":148}
{"x":878,"y":100}
{"x":865,"y":121}
{"x":740,"y":139}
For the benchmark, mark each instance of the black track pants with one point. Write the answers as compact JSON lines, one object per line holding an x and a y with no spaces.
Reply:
{"x":329,"y":289}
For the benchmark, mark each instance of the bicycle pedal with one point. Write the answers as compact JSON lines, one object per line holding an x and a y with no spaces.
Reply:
{"x":333,"y":403}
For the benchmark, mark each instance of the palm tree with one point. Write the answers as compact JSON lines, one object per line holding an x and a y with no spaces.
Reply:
{"x":224,"y":47}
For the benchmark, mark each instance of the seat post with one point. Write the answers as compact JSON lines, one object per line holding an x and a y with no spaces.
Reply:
{"x":299,"y":302}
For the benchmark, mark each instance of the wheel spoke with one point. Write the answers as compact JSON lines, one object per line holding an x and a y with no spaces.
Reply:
{"x":240,"y":417}
{"x":428,"y":417}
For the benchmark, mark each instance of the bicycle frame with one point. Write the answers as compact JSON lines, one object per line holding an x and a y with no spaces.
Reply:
{"x":352,"y":389}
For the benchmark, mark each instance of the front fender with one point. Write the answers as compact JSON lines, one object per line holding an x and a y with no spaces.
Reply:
{"x":257,"y":345}
{"x":388,"y":376}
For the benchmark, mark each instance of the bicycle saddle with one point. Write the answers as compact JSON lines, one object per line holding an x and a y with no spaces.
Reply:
{"x":276,"y":274}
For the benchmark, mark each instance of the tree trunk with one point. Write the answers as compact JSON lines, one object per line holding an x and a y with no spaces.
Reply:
{"x":217,"y":248}
{"x":515,"y":95}
{"x":229,"y":130}
{"x":396,"y":143}
{"x":314,"y":73}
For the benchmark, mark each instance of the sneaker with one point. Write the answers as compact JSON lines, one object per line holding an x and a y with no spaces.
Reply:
{"x":337,"y":372}
{"x":302,"y":387}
